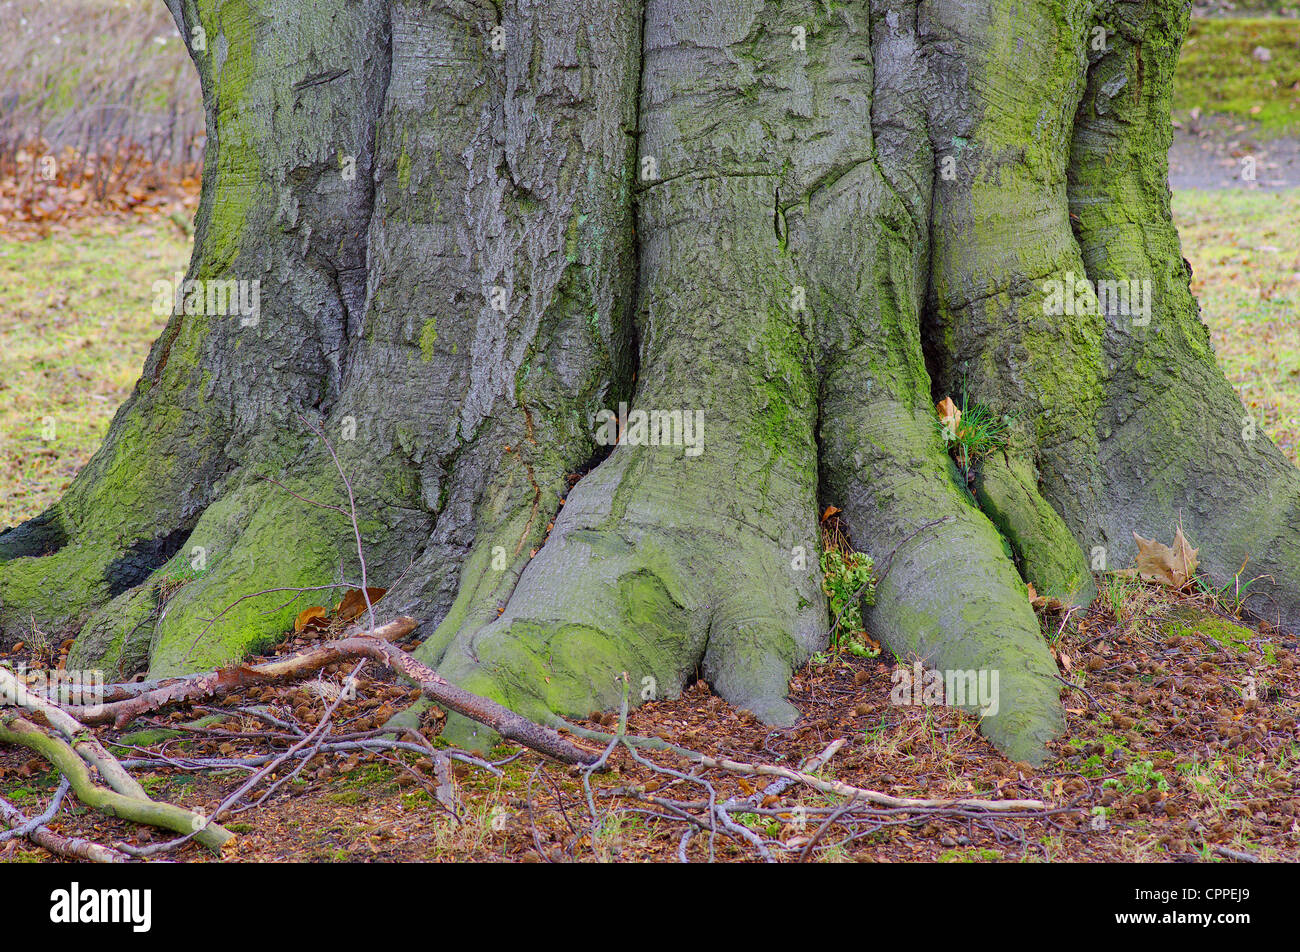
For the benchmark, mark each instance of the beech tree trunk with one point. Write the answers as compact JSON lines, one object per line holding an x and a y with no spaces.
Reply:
{"x":475,"y":226}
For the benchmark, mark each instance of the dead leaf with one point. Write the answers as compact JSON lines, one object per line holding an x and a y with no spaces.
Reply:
{"x":1045,"y":602}
{"x":949,"y":417}
{"x":314,"y":617}
{"x":1171,"y":567}
{"x":830,"y":511}
{"x":354,"y":603}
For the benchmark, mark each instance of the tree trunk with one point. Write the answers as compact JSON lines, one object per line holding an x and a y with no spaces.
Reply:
{"x":475,"y":227}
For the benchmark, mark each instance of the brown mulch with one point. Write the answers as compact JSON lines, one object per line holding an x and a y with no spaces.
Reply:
{"x":1178,"y":748}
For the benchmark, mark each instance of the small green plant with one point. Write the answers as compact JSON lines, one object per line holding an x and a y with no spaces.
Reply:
{"x":769,"y":825}
{"x":1115,"y":593}
{"x":1139,"y":776}
{"x":848,"y":580}
{"x":176,"y":575}
{"x":1230,"y":597}
{"x":971,"y":432}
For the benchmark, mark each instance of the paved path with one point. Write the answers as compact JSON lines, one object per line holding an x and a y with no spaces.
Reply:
{"x":1215,"y":160}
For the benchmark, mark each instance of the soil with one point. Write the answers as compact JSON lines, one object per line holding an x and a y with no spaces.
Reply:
{"x":1182,"y":745}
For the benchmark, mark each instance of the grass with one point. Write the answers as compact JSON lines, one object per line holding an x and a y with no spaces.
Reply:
{"x":1245,"y":253}
{"x":977,"y":432}
{"x":1219,"y":74}
{"x":83,"y":73}
{"x":76,"y":321}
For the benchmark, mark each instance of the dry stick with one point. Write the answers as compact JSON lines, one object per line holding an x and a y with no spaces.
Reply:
{"x":70,"y":847}
{"x":781,"y":784}
{"x":51,"y":811}
{"x":254,"y":780}
{"x":16,"y":730}
{"x":150,"y":758}
{"x":352,"y":514}
{"x":1238,"y":855}
{"x":859,"y":793}
{"x":840,"y":789}
{"x":775,"y":788}
{"x":317,"y":734}
{"x":506,"y":723}
{"x":1081,"y":690}
{"x":395,"y":630}
{"x":831,"y":820}
{"x":217,"y":683}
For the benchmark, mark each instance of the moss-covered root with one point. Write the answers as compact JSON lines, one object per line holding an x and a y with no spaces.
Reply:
{"x":1047,"y":554}
{"x":513,"y":517}
{"x":657,"y":565}
{"x":948,"y":594}
{"x":1005,"y":328}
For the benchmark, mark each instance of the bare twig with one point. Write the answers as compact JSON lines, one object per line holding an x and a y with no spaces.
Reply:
{"x":35,"y":830}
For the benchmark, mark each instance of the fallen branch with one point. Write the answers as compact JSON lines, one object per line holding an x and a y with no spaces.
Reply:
{"x":69,"y":847}
{"x":507,"y":723}
{"x":860,"y":793}
{"x":839,"y":789}
{"x":257,"y":778}
{"x":16,"y":730}
{"x":208,"y":684}
{"x":1238,"y":855}
{"x":83,"y":742}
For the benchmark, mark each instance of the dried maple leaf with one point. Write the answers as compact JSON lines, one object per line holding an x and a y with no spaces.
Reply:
{"x":1157,"y":562}
{"x":1045,"y":602}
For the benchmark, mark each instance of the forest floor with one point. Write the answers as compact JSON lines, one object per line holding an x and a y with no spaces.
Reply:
{"x":1181,"y":745}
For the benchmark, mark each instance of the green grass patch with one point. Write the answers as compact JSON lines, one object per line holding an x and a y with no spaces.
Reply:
{"x":76,"y":319}
{"x":1219,"y":73}
{"x":1244,"y":247}
{"x":970,"y":856}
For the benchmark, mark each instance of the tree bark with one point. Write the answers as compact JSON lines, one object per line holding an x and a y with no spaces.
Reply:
{"x":476,"y":226}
